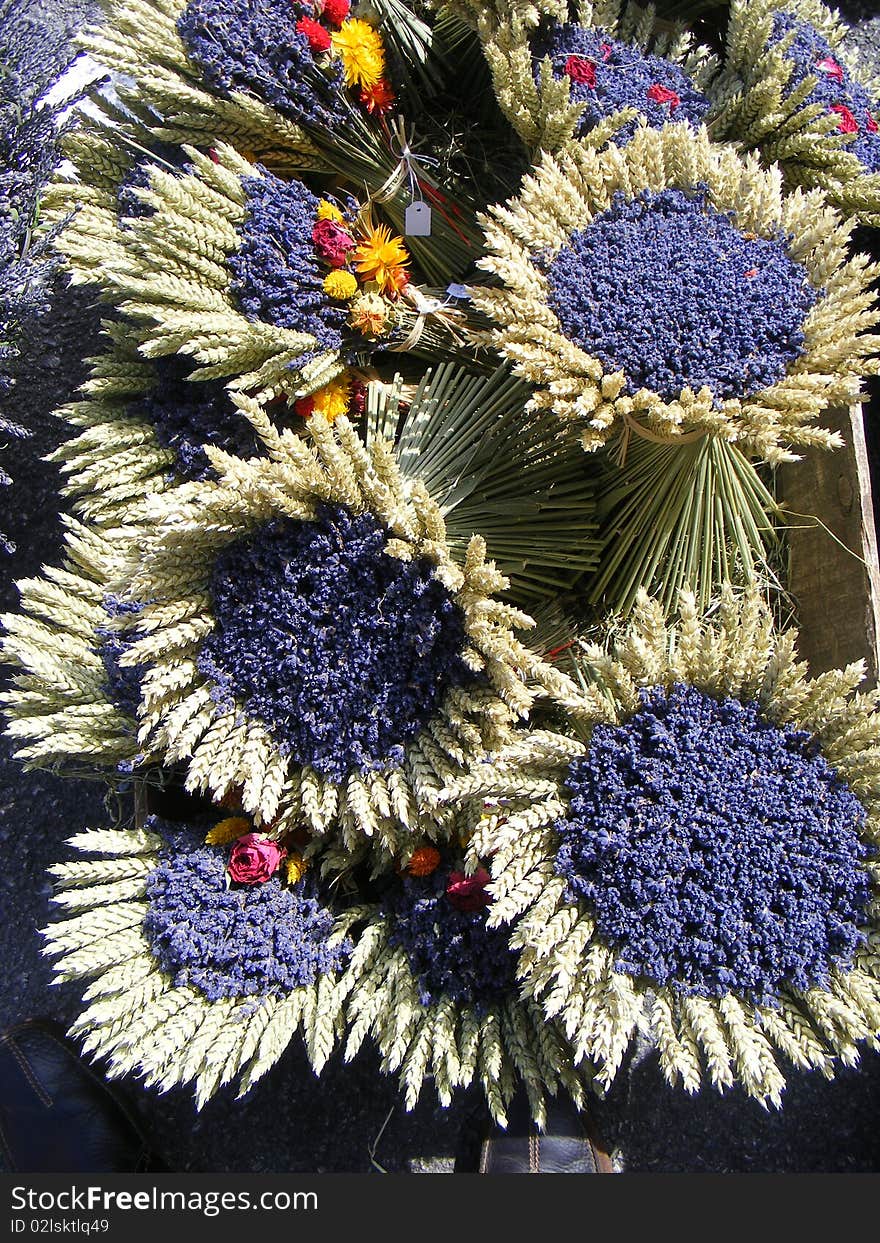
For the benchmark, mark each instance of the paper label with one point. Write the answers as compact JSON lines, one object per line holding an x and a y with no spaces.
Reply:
{"x":417,"y":222}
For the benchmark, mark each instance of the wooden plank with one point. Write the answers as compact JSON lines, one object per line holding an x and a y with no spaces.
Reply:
{"x":837,"y":592}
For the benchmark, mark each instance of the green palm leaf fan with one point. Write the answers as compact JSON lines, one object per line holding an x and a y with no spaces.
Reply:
{"x":494,"y":467}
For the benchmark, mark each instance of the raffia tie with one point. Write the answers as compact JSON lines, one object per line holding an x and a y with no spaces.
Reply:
{"x":631,"y":425}
{"x":406,"y":169}
{"x":427,"y":308}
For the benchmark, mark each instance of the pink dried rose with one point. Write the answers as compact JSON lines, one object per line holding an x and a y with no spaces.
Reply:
{"x":332,"y":242}
{"x":254,"y":859}
{"x":830,"y":67}
{"x":468,"y":893}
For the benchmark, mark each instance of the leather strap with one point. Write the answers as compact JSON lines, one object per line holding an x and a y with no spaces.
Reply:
{"x":568,"y":1146}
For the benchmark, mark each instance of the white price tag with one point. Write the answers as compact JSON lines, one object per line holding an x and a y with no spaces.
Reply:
{"x":417,"y":222}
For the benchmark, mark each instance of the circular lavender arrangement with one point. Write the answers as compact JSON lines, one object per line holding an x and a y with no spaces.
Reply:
{"x":718,"y":852}
{"x":607,"y":75}
{"x":812,"y":56}
{"x":439,"y":921}
{"x":277,"y":276}
{"x":665,"y":288}
{"x":234,"y":941}
{"x":342,"y":651}
{"x":254,"y":47}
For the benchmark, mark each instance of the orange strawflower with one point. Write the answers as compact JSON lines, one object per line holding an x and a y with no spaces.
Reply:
{"x":424,"y":861}
{"x":378,"y":98}
{"x":383,"y":259}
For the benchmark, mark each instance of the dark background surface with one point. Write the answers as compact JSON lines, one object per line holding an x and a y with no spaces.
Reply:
{"x":352,"y":1118}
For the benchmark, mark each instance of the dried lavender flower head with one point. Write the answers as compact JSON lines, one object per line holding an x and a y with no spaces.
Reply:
{"x":821,"y":128}
{"x":836,"y":89}
{"x":227,"y":940}
{"x":342,"y":651}
{"x":667,"y":291}
{"x":277,"y":276}
{"x":713,"y":874}
{"x":451,"y":951}
{"x":188,"y":414}
{"x":254,"y":47}
{"x":607,"y":75}
{"x":716,"y":851}
{"x":676,"y":288}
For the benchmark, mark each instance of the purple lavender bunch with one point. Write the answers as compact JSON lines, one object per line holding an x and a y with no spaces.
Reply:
{"x":234,"y":940}
{"x":607,"y":75}
{"x":253,"y":46}
{"x":717,"y":851}
{"x":342,"y":651}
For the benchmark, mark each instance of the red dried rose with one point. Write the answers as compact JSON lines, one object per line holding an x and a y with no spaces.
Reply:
{"x":332,"y":242}
{"x":870,"y":124}
{"x":580,"y":70}
{"x":254,"y":859}
{"x":304,"y":406}
{"x":358,"y":401}
{"x":848,"y":123}
{"x":335,"y":11}
{"x":317,"y":35}
{"x":468,"y":893}
{"x":663,"y":95}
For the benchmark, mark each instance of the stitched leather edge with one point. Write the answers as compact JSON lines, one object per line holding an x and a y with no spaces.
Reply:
{"x":27,"y":1070}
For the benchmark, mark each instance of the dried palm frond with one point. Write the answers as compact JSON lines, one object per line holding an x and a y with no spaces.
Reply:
{"x":493,"y":467}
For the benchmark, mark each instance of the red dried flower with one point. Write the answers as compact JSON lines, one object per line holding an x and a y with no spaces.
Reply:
{"x":358,"y":403}
{"x":424,"y":861}
{"x":318,"y":37}
{"x":848,"y":124}
{"x":580,"y":70}
{"x":332,"y":242}
{"x":335,"y":11}
{"x":606,"y":49}
{"x":378,"y":98}
{"x":304,"y":406}
{"x":870,"y":124}
{"x":468,"y":893}
{"x":254,"y":859}
{"x":663,"y":95}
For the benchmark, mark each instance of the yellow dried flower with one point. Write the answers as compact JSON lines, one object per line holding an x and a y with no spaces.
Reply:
{"x":383,"y":259}
{"x":295,"y":868}
{"x":340,"y":284}
{"x":226,"y":831}
{"x":332,"y":400}
{"x":329,"y":211}
{"x":362,"y":53}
